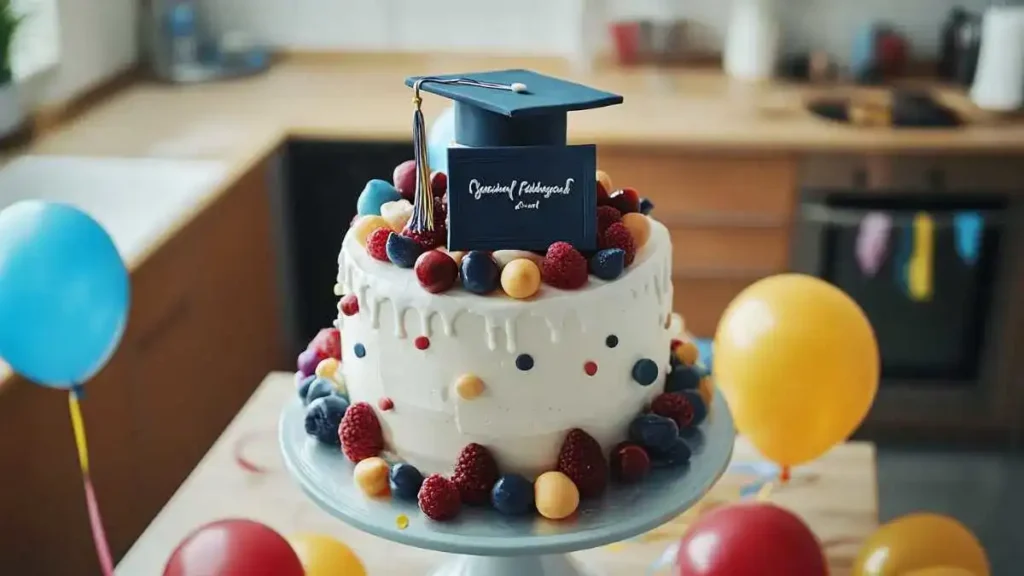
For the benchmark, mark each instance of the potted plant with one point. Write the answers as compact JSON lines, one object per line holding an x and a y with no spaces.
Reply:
{"x":11,"y":115}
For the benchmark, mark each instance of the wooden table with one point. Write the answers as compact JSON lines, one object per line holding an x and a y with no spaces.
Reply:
{"x":243,"y":476}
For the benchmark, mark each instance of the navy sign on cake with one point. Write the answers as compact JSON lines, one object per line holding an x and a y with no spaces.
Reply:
{"x":513,"y":183}
{"x":522,"y":198}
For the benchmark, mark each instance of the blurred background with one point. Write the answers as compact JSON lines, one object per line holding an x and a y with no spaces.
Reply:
{"x":877,"y":144}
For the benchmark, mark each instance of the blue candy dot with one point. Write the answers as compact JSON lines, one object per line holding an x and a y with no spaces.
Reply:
{"x":611,"y":341}
{"x":524,"y":362}
{"x":645,"y":371}
{"x":360,"y":350}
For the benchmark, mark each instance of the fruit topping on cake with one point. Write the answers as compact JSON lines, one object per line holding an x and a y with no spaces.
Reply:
{"x":403,"y":251}
{"x":327,"y":343}
{"x":324,"y":416}
{"x":436,"y":271}
{"x":405,"y":481}
{"x":653,"y":432}
{"x":476,"y":471}
{"x":396,"y":214}
{"x":606,"y":216}
{"x":608,"y":264}
{"x":360,"y":433}
{"x":371,"y":476}
{"x":374,"y":195}
{"x":639,"y":227}
{"x":349,"y":305}
{"x":626,"y":200}
{"x":675,"y":406}
{"x":404,"y":178}
{"x":438,"y":184}
{"x":555,"y":495}
{"x":618,"y":236}
{"x":564,"y":267}
{"x":520,"y":279}
{"x":582,"y":460}
{"x":512,"y":495}
{"x":439,"y":498}
{"x":604,"y":186}
{"x":629,"y":463}
{"x":675,"y":454}
{"x":377,"y":244}
{"x":480,"y":273}
{"x":646,"y":206}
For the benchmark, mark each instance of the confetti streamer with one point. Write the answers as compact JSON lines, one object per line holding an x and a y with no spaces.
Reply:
{"x":967,"y":230}
{"x":873,"y":242}
{"x":920,"y":268}
{"x":99,"y":536}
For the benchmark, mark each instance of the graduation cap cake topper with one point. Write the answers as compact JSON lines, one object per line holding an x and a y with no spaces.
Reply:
{"x":513,"y":183}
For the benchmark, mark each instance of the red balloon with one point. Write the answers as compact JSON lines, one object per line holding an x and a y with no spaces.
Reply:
{"x":234,"y":548}
{"x":750,"y":540}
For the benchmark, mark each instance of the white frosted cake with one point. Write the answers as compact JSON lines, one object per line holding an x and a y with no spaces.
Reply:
{"x":505,"y":330}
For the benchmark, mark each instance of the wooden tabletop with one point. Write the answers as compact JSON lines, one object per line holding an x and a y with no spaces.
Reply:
{"x":243,"y":476}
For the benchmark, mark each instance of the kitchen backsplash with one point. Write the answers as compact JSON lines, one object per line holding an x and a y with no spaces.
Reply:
{"x":554,"y":27}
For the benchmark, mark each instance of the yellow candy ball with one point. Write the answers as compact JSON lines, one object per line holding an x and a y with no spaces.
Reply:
{"x":366,"y":225}
{"x":327,"y":368}
{"x":605,"y":180}
{"x":456,"y":255}
{"x":639,"y":227}
{"x":520,"y":278}
{"x":555,"y":495}
{"x":687,"y":353}
{"x":371,"y":475}
{"x":469,"y":387}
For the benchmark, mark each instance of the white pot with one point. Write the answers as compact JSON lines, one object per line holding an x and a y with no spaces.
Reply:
{"x":11,"y":113}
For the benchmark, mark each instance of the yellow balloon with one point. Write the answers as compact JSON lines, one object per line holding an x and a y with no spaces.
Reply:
{"x":325,"y":556}
{"x":798,"y":363}
{"x":922,"y":545}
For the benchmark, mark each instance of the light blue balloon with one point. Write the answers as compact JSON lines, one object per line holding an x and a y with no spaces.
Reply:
{"x":64,"y":293}
{"x":439,"y":138}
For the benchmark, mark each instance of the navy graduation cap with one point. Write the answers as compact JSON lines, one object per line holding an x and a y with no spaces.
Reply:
{"x":513,"y":183}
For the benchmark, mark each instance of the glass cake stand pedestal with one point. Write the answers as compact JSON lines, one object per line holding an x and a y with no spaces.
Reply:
{"x":487,"y":543}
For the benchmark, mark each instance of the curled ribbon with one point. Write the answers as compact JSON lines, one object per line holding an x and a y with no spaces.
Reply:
{"x":99,"y":535}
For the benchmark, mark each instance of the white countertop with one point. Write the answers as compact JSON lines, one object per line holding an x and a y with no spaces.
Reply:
{"x":137,"y":200}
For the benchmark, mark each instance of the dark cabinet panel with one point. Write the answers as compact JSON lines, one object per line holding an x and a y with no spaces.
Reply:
{"x":323,"y":181}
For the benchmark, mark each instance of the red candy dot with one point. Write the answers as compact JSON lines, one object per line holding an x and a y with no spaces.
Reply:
{"x":421,"y":342}
{"x":675,"y":343}
{"x":590,"y":368}
{"x":385,"y":404}
{"x":349,"y":305}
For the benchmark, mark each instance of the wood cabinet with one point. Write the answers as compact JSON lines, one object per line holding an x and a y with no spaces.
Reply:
{"x":729,"y":217}
{"x":203,"y":331}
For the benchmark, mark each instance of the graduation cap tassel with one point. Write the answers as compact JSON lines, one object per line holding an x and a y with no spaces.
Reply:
{"x":423,"y":201}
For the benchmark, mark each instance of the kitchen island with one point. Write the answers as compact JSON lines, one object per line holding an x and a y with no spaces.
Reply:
{"x":723,"y":161}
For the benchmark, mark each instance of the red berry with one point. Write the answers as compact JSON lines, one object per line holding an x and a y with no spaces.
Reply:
{"x":404,"y":179}
{"x":429,"y":239}
{"x":385,"y":404}
{"x":328,"y":343}
{"x":436,"y":271}
{"x":564,"y":267}
{"x":439,"y":498}
{"x":421,"y":342}
{"x":630,"y":463}
{"x":626,"y":200}
{"x":618,"y":236}
{"x":674,"y":406}
{"x":360,"y":433}
{"x":475,"y":474}
{"x":438,"y":184}
{"x":377,"y":243}
{"x":582,"y":460}
{"x":349,"y":305}
{"x":606,"y":216}
{"x":602,"y":194}
{"x":674,"y":343}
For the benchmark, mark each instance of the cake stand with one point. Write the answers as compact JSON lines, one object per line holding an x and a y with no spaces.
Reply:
{"x":489,"y":544}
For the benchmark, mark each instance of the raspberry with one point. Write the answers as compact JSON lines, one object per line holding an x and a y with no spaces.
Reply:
{"x":674,"y":406}
{"x":349,"y":305}
{"x":327,"y":342}
{"x":564,"y":267}
{"x":606,"y":216}
{"x":630,"y":462}
{"x":360,"y":433}
{"x":475,"y":474}
{"x":582,"y":460}
{"x":376,"y":244}
{"x":439,"y":498}
{"x":618,"y":236}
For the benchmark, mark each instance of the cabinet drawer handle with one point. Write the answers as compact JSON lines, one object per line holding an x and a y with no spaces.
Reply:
{"x":176,"y":313}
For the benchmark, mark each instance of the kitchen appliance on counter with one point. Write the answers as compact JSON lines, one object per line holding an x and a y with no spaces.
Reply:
{"x":999,"y":80}
{"x":752,"y":41}
{"x":180,"y":47}
{"x":936,"y":266}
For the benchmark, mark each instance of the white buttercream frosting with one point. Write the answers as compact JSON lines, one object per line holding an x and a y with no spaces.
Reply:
{"x":522,"y":416}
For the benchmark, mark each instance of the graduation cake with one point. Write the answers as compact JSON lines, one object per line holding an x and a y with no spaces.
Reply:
{"x":503,"y":334}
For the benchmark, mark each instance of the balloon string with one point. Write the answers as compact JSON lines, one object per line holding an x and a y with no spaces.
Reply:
{"x":99,"y":536}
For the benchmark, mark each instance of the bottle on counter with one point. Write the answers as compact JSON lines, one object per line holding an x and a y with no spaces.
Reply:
{"x":949,"y":43}
{"x":183,"y":32}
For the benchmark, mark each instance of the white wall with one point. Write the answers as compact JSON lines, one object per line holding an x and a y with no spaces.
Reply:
{"x":551,"y":26}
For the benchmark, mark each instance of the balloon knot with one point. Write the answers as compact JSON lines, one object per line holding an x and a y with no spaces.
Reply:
{"x":784,"y":476}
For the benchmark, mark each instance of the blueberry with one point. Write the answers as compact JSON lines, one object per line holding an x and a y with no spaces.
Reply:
{"x":323,"y":418}
{"x":608,"y":264}
{"x":646,"y":206}
{"x":683,"y":378}
{"x":304,"y":385}
{"x":512,"y":495}
{"x":678,"y":452}
{"x":645,"y":371}
{"x":374,"y":195}
{"x":480,"y":273}
{"x":700,"y":409}
{"x":653,"y":431}
{"x":403,"y":251}
{"x":319,"y":388}
{"x":405,"y":481}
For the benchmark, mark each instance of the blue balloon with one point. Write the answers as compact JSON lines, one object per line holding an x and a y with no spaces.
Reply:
{"x":64,"y":293}
{"x":439,"y":138}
